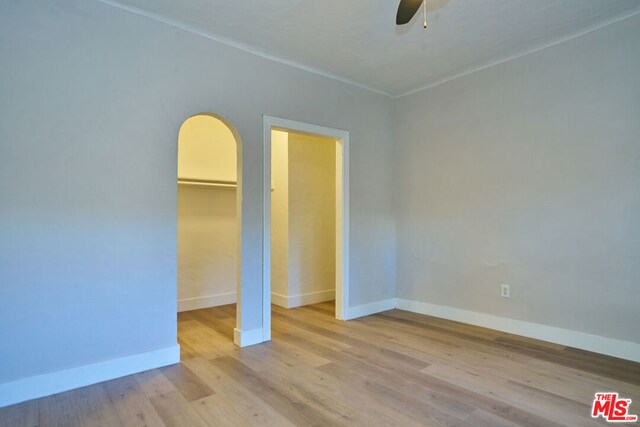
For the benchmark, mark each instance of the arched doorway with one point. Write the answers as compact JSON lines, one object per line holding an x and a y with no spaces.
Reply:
{"x":209,"y":198}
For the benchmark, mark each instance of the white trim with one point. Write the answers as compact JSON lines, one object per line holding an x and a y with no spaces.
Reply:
{"x":196,"y":303}
{"x":82,"y":376}
{"x":342,"y":227}
{"x":609,"y":346}
{"x":266,"y":228}
{"x":342,"y":212}
{"x":247,"y":338}
{"x":280,"y":300}
{"x":371,"y":308}
{"x":293,"y":301}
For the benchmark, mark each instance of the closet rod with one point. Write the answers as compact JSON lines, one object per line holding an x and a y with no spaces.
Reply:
{"x":207,"y":183}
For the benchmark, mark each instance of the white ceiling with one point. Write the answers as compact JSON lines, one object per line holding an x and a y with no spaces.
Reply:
{"x":358,"y":41}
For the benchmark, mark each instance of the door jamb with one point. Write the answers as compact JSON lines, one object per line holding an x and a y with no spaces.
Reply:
{"x":342,"y":214}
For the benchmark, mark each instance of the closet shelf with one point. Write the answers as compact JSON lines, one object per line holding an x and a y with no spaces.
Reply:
{"x":207,"y":183}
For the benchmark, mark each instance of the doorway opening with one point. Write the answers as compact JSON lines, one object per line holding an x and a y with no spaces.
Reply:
{"x":208,"y":229}
{"x":279,"y":137}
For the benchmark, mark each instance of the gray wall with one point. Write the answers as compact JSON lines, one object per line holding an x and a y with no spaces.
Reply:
{"x":528,"y":173}
{"x":92,"y":101}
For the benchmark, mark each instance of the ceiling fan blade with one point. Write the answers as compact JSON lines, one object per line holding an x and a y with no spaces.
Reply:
{"x":406,"y":10}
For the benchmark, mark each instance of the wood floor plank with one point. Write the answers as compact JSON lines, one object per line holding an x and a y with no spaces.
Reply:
{"x":218,"y":412}
{"x":186,"y":352}
{"x":26,"y":414}
{"x":376,"y":393}
{"x":187,"y":383}
{"x":154,"y":383}
{"x":94,"y":407}
{"x":551,"y":406}
{"x":87,"y":406}
{"x":575,"y":380}
{"x":176,"y":411}
{"x":60,"y":410}
{"x":491,"y":405}
{"x":221,"y":325}
{"x":293,"y":328}
{"x":243,"y":399}
{"x":326,"y":393}
{"x":131,"y":404}
{"x":200,"y":338}
{"x":325,"y":310}
{"x":480,"y":418}
{"x":309,"y":358}
{"x":282,"y":399}
{"x":344,"y":366}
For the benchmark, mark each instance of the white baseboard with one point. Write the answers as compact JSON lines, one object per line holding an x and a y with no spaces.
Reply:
{"x":206,"y":301}
{"x":279,"y":300}
{"x":609,"y":346}
{"x":303,"y":299}
{"x":247,"y":338}
{"x":371,"y":308}
{"x":69,"y":379}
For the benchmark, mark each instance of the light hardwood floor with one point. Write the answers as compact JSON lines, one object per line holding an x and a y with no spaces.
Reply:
{"x":393,"y":368}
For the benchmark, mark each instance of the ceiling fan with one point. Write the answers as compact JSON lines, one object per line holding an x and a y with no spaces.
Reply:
{"x":408,"y":8}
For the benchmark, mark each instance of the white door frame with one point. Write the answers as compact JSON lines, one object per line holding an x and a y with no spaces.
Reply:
{"x":342,"y":214}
